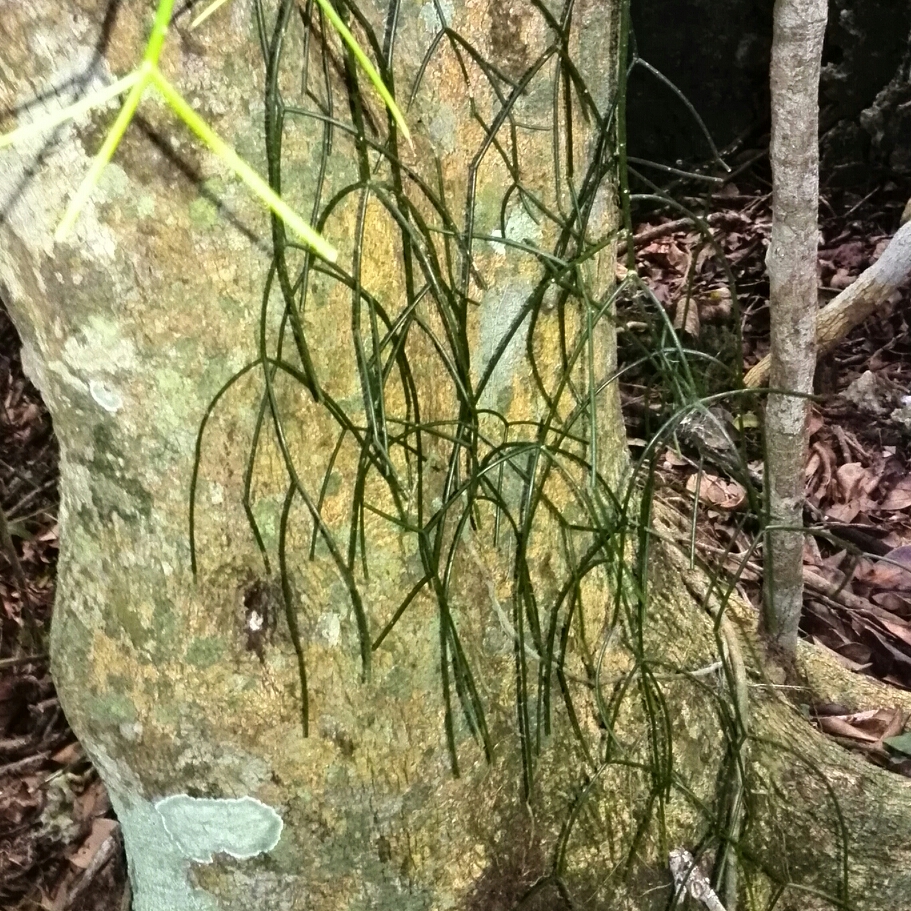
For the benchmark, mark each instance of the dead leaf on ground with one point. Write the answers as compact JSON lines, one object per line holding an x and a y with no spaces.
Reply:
{"x":68,"y":754}
{"x":102,"y":829}
{"x":899,"y":497}
{"x":718,"y":492}
{"x":686,"y":317}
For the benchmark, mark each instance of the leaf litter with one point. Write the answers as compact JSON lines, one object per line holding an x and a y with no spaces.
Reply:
{"x":857,"y":558}
{"x":60,"y":847}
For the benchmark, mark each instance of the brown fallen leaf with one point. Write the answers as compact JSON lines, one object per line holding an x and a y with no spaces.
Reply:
{"x":891,"y":573}
{"x":102,"y":829}
{"x":68,"y":754}
{"x":686,"y":317}
{"x":865,"y":731}
{"x":899,"y":497}
{"x":851,"y":478}
{"x":838,"y":727}
{"x":717,"y":492}
{"x":93,"y":801}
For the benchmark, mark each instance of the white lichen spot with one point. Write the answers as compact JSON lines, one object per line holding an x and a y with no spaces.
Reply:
{"x":131,"y":731}
{"x":255,"y":622}
{"x":442,"y":127}
{"x":499,"y":309}
{"x":145,"y":205}
{"x":430,"y":17}
{"x":114,"y":182}
{"x":202,"y":827}
{"x":329,"y":629}
{"x":99,"y":348}
{"x":216,"y":494}
{"x":521,"y":228}
{"x":109,"y":399}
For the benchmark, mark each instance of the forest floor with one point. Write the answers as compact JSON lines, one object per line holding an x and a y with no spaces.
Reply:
{"x":60,"y":847}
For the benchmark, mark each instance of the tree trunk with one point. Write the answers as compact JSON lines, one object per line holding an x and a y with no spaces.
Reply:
{"x":799,"y":28}
{"x":428,"y":659}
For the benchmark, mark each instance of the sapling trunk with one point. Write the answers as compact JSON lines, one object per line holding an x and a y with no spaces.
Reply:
{"x":799,"y":28}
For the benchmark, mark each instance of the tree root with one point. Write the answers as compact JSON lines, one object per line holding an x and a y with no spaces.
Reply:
{"x":838,"y":824}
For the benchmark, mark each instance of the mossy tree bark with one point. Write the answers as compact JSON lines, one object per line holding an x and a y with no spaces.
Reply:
{"x":428,"y":658}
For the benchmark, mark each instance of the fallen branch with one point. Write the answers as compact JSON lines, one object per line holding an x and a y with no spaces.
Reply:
{"x":855,"y":303}
{"x":655,"y":232}
{"x":837,"y":593}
